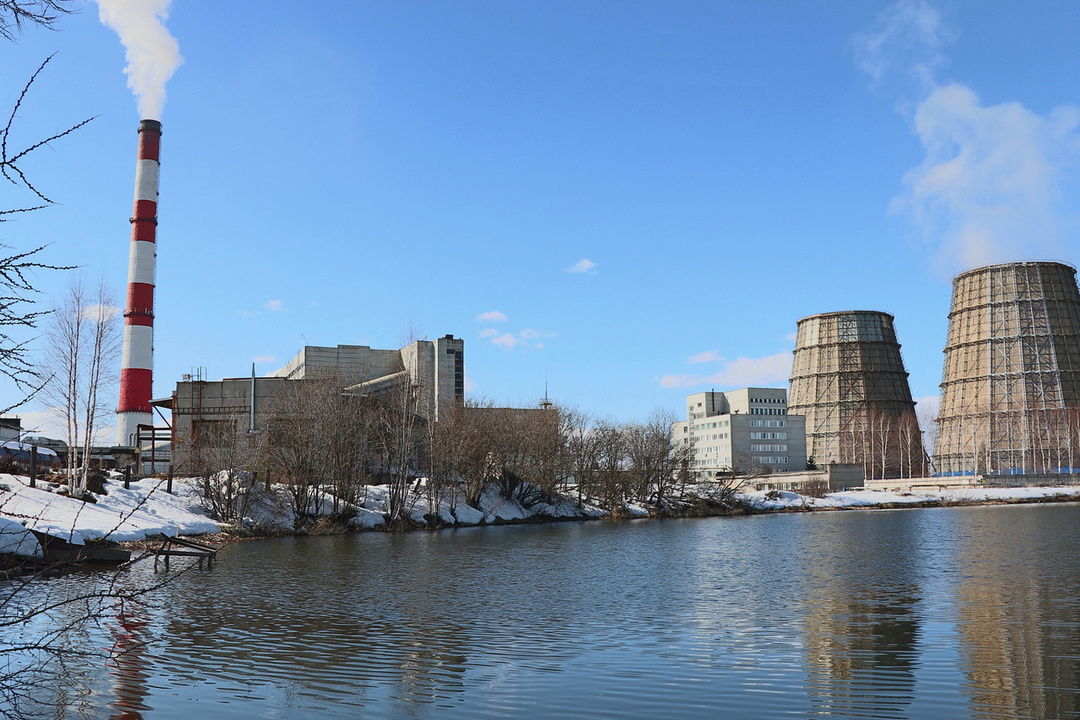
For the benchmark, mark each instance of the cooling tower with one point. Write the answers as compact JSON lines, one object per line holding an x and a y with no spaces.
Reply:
{"x":848,"y":379}
{"x":1011,"y":384}
{"x":137,"y":364}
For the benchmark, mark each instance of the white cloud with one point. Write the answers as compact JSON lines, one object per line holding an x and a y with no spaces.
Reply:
{"x":528,"y":337}
{"x":264,"y":359}
{"x":492,"y":316}
{"x":704,"y":357}
{"x":928,"y":405}
{"x":584,"y":265}
{"x":907,"y":37}
{"x":926,"y":410}
{"x":50,"y":423}
{"x":988,"y":187}
{"x":507,"y":340}
{"x":488,"y":332}
{"x":274,"y":305}
{"x":98,"y":313}
{"x":739,"y":373}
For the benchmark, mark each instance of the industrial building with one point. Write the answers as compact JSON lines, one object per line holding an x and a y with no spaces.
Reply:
{"x":849,"y":382}
{"x":207,"y":413}
{"x":1010,"y":390}
{"x":436,"y":367}
{"x":747,"y":430}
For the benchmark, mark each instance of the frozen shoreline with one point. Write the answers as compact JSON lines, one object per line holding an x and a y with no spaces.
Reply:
{"x":147,"y":509}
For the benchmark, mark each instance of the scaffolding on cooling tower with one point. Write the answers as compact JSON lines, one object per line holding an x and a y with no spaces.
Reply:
{"x":1011,"y":382}
{"x":848,"y":379}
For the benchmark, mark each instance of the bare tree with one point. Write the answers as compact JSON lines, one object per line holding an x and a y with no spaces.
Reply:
{"x":296,"y":448}
{"x":913,"y":454}
{"x":399,"y":434}
{"x":611,"y":480}
{"x":654,"y":458}
{"x":65,"y":347}
{"x":463,"y":447}
{"x":227,"y":468}
{"x":582,"y":449}
{"x":83,"y":340}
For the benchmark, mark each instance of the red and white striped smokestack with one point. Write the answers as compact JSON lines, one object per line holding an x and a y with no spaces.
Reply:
{"x":136,"y":369}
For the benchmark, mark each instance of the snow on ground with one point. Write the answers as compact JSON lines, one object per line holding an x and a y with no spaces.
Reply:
{"x":453,"y":508}
{"x":17,"y":540}
{"x":782,"y":500}
{"x":147,"y":509}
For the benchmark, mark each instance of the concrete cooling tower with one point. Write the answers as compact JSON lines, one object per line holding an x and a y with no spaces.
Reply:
{"x":1011,"y":385}
{"x":848,"y":379}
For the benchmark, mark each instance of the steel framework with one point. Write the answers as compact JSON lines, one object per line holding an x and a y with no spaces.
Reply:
{"x":848,"y":379}
{"x":1011,"y":383}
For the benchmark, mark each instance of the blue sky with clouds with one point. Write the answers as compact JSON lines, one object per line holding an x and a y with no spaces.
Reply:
{"x":628,"y":201}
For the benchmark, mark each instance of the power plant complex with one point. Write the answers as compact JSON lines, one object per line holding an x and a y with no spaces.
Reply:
{"x":1010,"y":390}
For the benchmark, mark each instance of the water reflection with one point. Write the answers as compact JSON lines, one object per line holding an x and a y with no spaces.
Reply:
{"x":1019,"y":619}
{"x":128,"y":665}
{"x":862,"y":620}
{"x":321,"y":615}
{"x":964,"y":612}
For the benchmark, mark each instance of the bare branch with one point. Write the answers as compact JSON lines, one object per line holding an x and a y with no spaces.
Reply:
{"x":15,"y":14}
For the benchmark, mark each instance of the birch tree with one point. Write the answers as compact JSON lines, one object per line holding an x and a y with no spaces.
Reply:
{"x":83,"y":340}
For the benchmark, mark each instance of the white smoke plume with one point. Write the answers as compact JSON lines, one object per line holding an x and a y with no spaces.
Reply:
{"x":990,"y":185}
{"x":152,"y":53}
{"x":908,"y":40}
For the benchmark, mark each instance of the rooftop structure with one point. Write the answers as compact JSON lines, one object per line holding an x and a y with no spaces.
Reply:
{"x":435,"y":367}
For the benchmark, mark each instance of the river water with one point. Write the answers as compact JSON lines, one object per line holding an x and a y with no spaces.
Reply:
{"x":936,"y":613}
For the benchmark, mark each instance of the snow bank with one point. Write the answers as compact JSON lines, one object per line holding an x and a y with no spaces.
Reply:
{"x":783,"y":500}
{"x":17,"y":540}
{"x":145,"y":509}
{"x":454,"y":510}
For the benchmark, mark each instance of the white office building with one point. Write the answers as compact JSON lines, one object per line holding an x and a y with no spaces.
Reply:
{"x":747,"y":430}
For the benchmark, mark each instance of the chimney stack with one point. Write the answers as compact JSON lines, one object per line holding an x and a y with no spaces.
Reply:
{"x":136,"y":369}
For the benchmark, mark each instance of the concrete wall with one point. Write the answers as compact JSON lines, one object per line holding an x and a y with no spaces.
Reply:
{"x":354,"y":363}
{"x":832,"y":478}
{"x":204,"y":411}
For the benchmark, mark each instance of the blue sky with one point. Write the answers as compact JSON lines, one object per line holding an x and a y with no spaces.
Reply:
{"x":629,"y":201}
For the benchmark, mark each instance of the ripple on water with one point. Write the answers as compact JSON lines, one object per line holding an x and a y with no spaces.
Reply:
{"x":930,"y":613}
